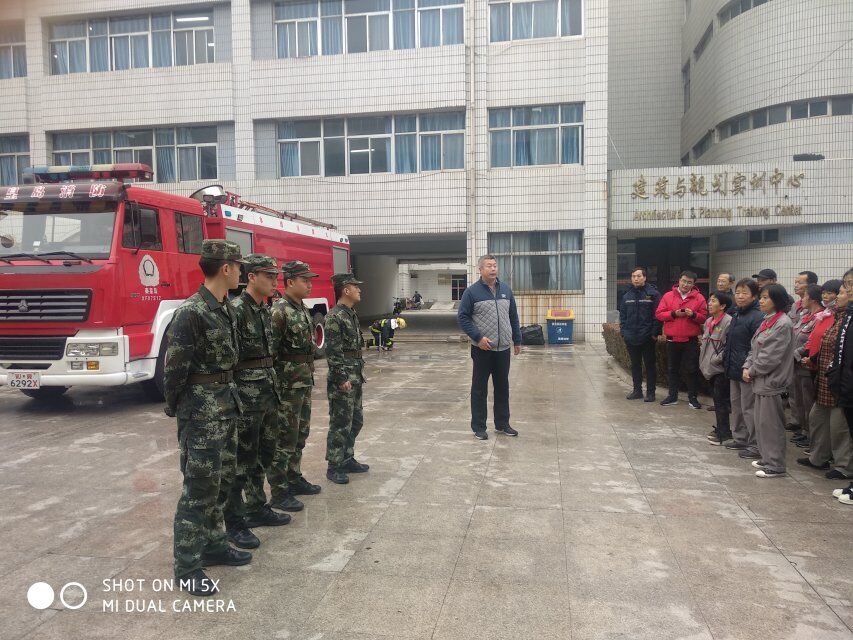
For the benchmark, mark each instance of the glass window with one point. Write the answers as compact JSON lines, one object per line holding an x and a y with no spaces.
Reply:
{"x":14,"y":158}
{"x":189,"y":232}
{"x":759,"y":119}
{"x":549,"y":261}
{"x":536,"y":135}
{"x":799,"y":110}
{"x":777,"y":114}
{"x":818,"y":108}
{"x":13,"y":52}
{"x":842,"y":106}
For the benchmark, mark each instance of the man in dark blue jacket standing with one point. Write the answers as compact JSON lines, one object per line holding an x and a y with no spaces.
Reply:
{"x":488,"y":315}
{"x":638,"y":326}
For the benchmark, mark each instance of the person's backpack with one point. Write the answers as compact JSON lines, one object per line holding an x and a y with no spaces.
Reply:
{"x":532,"y":334}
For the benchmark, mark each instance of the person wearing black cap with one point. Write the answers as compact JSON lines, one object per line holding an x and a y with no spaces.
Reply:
{"x":765,"y":277}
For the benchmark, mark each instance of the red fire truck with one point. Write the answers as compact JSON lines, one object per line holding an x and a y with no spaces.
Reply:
{"x":93,"y":266}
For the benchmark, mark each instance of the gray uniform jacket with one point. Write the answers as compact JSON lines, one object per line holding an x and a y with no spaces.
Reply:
{"x":713,"y":343}
{"x":771,"y":358}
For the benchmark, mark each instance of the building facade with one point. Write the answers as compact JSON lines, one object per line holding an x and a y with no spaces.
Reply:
{"x":434,"y":131}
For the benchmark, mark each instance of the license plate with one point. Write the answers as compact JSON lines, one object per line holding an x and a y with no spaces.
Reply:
{"x":25,"y":379}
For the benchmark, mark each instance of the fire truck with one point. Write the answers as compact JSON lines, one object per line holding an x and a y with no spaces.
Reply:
{"x":93,"y":266}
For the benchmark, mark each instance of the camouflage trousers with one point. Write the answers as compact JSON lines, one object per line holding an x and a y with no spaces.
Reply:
{"x":268,"y":434}
{"x":207,"y":464}
{"x":345,"y":422}
{"x":252,"y":461}
{"x":295,"y":425}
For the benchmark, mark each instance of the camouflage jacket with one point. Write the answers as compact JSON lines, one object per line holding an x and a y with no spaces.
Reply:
{"x":257,"y":387}
{"x":343,"y":333}
{"x":202,"y":339}
{"x":294,"y":332}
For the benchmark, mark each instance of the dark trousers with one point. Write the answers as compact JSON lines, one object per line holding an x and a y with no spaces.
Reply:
{"x":687,"y":354}
{"x":496,"y":365}
{"x":848,"y":413}
{"x":643,"y":354}
{"x":722,"y":405}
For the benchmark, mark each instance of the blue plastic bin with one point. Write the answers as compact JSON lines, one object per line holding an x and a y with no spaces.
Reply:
{"x":560,"y":326}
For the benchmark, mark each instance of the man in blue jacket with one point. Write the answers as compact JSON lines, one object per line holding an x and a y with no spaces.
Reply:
{"x":488,"y":315}
{"x":638,"y":326}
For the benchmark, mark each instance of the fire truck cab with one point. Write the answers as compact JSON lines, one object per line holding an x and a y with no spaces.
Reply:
{"x":92,"y":269}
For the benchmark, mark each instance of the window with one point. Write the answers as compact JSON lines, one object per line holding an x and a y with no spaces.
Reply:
{"x":799,"y":110}
{"x":241,"y":238}
{"x":703,"y":145}
{"x":14,"y":157}
{"x":736,"y":7}
{"x":175,"y":154}
{"x":524,"y":136}
{"x":523,"y":20}
{"x":685,"y":81}
{"x":141,"y":229}
{"x":330,"y":27}
{"x":340,"y":260}
{"x":703,"y":42}
{"x":763,"y":236}
{"x":777,"y":114}
{"x":818,"y":108}
{"x":372,"y":144}
{"x":189,"y":232}
{"x":132,"y":42}
{"x":458,"y":284}
{"x":13,"y":52}
{"x":842,"y":106}
{"x":549,"y":261}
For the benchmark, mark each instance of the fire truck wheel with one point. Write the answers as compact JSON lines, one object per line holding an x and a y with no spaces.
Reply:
{"x":320,"y":334}
{"x":45,"y":393}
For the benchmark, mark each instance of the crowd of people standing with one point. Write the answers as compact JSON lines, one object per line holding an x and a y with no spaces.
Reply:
{"x":763,"y":353}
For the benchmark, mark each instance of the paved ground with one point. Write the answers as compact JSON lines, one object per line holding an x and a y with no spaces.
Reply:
{"x":605,"y":519}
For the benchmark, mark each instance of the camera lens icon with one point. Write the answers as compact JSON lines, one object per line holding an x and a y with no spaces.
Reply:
{"x":40,"y":595}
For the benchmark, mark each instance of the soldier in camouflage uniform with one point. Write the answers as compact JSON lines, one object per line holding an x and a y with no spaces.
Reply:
{"x":259,"y":391}
{"x":344,"y":343}
{"x":199,"y":388}
{"x":294,"y":364}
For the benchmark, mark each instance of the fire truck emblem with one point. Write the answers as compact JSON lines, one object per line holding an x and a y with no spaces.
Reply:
{"x":23,"y":307}
{"x":97,"y":190}
{"x":149,"y":274}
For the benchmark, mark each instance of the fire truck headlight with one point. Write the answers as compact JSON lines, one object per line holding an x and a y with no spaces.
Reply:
{"x":82,"y":350}
{"x":109,"y":348}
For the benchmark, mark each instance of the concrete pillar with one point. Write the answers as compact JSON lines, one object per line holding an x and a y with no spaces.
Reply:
{"x":379,"y":274}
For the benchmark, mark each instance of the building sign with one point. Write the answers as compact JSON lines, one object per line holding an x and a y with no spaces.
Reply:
{"x":729,"y":196}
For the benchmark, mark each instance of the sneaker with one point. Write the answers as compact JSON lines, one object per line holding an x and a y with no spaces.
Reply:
{"x":715,"y":441}
{"x":354,"y":466}
{"x":799,"y":437}
{"x":837,"y":493}
{"x":650,"y":396}
{"x":711,"y":408}
{"x":266,"y":517}
{"x":835,"y":474}
{"x":243,"y":538}
{"x":712,"y":434}
{"x":749,"y":455}
{"x":231,"y":557}
{"x":808,"y":463}
{"x":337,"y":475}
{"x":792,"y":427}
{"x":693,"y":403}
{"x":758,"y":464}
{"x":734,"y":445}
{"x":481,"y":435}
{"x":846,"y":498}
{"x":669,"y":401}
{"x":767,"y":473}
{"x":507,"y":430}
{"x":636,"y":394}
{"x":287,"y":502}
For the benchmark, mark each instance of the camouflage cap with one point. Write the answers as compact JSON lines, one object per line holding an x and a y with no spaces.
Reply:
{"x":221,"y":250}
{"x":343,"y":279}
{"x":260,"y":262}
{"x":297,"y":269}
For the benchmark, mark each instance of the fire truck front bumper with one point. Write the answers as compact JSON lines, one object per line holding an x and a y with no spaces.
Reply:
{"x":86,"y":361}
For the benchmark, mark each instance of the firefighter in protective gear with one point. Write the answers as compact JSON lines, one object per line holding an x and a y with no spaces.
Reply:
{"x":383,"y":332}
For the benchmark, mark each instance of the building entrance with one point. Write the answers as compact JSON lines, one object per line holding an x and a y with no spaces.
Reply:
{"x":665,"y":259}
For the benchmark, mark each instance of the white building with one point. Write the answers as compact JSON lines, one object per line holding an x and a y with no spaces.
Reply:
{"x":433,"y":131}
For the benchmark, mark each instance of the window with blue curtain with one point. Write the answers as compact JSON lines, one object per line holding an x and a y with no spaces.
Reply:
{"x":523,"y":20}
{"x":132,"y":42}
{"x":404,"y":24}
{"x":540,"y":135}
{"x":14,"y":157}
{"x":546,"y":261}
{"x":13,"y":52}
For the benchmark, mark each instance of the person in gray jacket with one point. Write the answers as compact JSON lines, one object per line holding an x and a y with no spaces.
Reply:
{"x":488,"y":315}
{"x":711,"y":363}
{"x":769,"y":368}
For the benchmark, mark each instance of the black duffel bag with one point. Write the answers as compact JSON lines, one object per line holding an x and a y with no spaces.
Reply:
{"x":532,"y":334}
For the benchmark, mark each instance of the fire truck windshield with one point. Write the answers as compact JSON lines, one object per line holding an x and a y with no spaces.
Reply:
{"x":62,"y":234}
